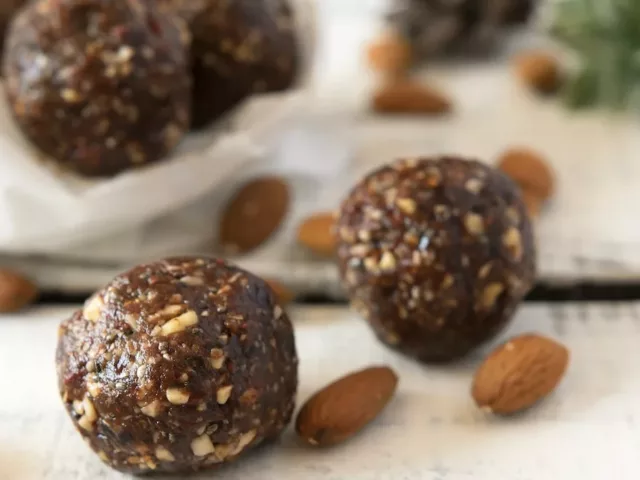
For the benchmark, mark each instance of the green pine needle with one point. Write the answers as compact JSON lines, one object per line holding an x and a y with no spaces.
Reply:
{"x":605,"y":35}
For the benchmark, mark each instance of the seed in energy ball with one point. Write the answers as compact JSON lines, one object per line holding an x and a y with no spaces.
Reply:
{"x":178,"y":365}
{"x":436,"y":253}
{"x":101,"y":86}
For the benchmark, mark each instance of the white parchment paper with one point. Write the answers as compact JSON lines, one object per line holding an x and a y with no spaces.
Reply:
{"x":46,"y":211}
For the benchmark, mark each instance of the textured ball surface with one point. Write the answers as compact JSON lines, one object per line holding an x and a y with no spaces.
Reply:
{"x":101,"y":86}
{"x":436,"y":253}
{"x":177,"y":366}
{"x":240,"y":48}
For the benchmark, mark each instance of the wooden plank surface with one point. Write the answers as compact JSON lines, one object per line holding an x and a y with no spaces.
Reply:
{"x":588,"y":430}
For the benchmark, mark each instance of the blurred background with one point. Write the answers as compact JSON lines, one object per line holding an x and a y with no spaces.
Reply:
{"x":377,"y":80}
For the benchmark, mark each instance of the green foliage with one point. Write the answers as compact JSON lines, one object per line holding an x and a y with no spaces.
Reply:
{"x":605,"y":35}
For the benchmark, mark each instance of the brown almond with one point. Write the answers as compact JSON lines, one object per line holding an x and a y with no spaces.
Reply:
{"x":404,"y":96}
{"x":529,"y":170}
{"x":342,"y":409}
{"x":519,"y":374}
{"x":539,"y":71}
{"x":253,"y":214}
{"x":283,"y":294}
{"x":390,"y":54}
{"x":315,"y":233}
{"x":16,"y":291}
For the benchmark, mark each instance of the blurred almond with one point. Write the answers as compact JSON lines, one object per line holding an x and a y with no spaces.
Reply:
{"x":253,"y":214}
{"x":530,"y":171}
{"x":316,"y":233}
{"x":16,"y":291}
{"x":283,"y":294}
{"x":404,"y":96}
{"x":539,"y":71}
{"x":390,"y":54}
{"x":343,"y":408}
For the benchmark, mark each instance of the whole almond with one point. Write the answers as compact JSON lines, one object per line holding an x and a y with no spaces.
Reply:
{"x":16,"y":291}
{"x":405,"y":96}
{"x":539,"y":71}
{"x":519,"y":374}
{"x":530,"y":171}
{"x":390,"y":55}
{"x":315,"y":233}
{"x":342,"y":409}
{"x":283,"y":294}
{"x":253,"y":214}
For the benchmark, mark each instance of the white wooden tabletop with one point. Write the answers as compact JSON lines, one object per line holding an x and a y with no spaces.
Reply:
{"x":587,"y":430}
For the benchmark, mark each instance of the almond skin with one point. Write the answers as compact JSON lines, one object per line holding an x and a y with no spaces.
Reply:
{"x":253,"y":214}
{"x":283,"y":294}
{"x":530,"y":171}
{"x":16,"y":291}
{"x":404,"y":96}
{"x":539,"y":71}
{"x":343,"y":408}
{"x":390,"y":55}
{"x":316,"y":234}
{"x":519,"y":374}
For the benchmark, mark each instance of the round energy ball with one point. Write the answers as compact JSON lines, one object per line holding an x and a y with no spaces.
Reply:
{"x":99,"y":85}
{"x":436,"y":254}
{"x":178,"y":365}
{"x":240,"y":48}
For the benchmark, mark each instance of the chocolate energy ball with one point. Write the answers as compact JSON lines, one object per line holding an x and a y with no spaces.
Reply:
{"x":8,"y":8}
{"x":436,"y":253}
{"x":240,"y":47}
{"x":99,"y":85}
{"x":178,"y":365}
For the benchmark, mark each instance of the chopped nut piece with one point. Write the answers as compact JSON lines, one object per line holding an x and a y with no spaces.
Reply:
{"x":192,"y":281}
{"x":78,"y":407}
{"x":217,"y":358}
{"x":407,"y":205}
{"x":164,"y":455}
{"x":387,"y":262}
{"x":93,"y":308}
{"x":177,"y":396}
{"x":513,"y":241}
{"x":223,"y":394}
{"x":202,"y":446}
{"x":153,"y":409}
{"x":491,"y":294}
{"x":474,"y":224}
{"x":89,"y":410}
{"x":180,"y":323}
{"x":171,"y":310}
{"x":245,"y":439}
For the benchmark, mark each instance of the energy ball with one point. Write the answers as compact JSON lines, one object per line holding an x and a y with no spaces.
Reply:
{"x":436,"y":254}
{"x":99,"y":85}
{"x":178,"y":365}
{"x":239,"y":48}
